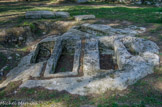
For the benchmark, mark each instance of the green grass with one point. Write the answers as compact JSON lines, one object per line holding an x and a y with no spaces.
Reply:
{"x":134,"y":14}
{"x":139,"y":15}
{"x":138,"y":95}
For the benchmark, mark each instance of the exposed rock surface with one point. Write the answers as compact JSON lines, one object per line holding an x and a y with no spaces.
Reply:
{"x":134,"y":56}
{"x":39,"y":14}
{"x":84,"y":17}
{"x":62,"y":14}
{"x":46,"y":14}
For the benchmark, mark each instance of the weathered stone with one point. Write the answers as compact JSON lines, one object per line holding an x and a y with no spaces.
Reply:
{"x":2,"y":69}
{"x":91,"y":57}
{"x":62,"y":14}
{"x":151,"y":58}
{"x":138,"y":3}
{"x":18,"y":55}
{"x":158,"y":4}
{"x":46,"y":14}
{"x":84,"y":17}
{"x":39,"y":14}
{"x":21,"y":38}
{"x":158,"y":12}
{"x":9,"y":58}
{"x":122,"y":44}
{"x":102,"y":30}
{"x":147,"y":2}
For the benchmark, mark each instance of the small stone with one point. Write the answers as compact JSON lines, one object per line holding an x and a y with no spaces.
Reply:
{"x":14,"y":40}
{"x":142,"y":29}
{"x":157,"y":5}
{"x":62,"y":14}
{"x":84,"y":17}
{"x":9,"y":57}
{"x":1,"y":73}
{"x":3,"y":68}
{"x":21,"y":38}
{"x":158,"y":12}
{"x":15,"y":92}
{"x":16,"y":46}
{"x":148,"y":3}
{"x":44,"y":33}
{"x":17,"y":55}
{"x":138,"y":3}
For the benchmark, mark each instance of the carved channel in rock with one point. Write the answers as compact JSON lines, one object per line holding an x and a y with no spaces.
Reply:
{"x":65,"y":62}
{"x":43,"y":52}
{"x":66,"y":58}
{"x":107,"y":59}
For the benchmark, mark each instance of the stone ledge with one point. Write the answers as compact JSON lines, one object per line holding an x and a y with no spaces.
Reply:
{"x":45,"y":14}
{"x":84,"y":17}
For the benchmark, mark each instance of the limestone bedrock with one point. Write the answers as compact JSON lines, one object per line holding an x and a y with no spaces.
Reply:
{"x":135,"y":57}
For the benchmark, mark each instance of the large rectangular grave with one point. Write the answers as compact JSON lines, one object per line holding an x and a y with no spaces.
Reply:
{"x":65,"y":62}
{"x":65,"y":59}
{"x":107,"y":59}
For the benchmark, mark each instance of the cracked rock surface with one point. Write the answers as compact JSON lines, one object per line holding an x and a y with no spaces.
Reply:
{"x":135,"y":58}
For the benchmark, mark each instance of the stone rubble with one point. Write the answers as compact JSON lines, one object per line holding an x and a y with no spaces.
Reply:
{"x":134,"y":56}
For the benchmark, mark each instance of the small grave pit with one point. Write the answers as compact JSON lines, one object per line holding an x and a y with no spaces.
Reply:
{"x":107,"y":59}
{"x":65,"y":62}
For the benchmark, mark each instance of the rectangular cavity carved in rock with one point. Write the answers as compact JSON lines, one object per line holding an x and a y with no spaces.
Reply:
{"x":43,"y":52}
{"x":107,"y":59}
{"x":65,"y":57}
{"x":65,"y":62}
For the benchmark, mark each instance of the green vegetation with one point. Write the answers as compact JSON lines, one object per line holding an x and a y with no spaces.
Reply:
{"x":62,"y":69}
{"x":130,"y":13}
{"x":3,"y":60}
{"x":160,"y":37}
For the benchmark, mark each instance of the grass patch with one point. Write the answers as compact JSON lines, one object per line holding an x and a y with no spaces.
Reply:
{"x":134,"y":14}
